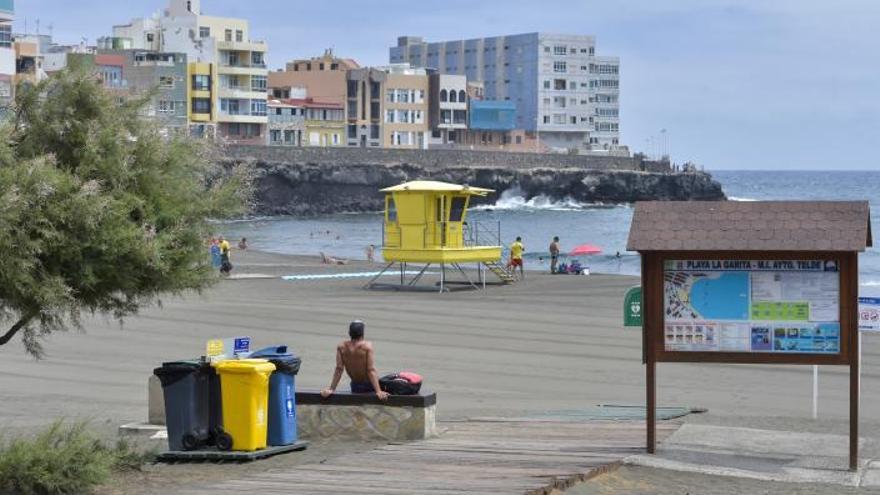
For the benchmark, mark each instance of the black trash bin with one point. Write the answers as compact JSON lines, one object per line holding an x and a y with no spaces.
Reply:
{"x":192,"y":403}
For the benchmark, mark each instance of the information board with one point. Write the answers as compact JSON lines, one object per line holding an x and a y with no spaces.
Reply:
{"x":767,"y":306}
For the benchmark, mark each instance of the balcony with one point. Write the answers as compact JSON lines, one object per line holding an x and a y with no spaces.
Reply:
{"x":242,"y":46}
{"x":241,"y":92}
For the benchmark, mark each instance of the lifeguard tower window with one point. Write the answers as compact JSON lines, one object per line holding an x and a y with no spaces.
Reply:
{"x":457,"y":209}
{"x":391,"y":208}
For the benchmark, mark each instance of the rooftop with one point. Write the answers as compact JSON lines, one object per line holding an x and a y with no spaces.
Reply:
{"x":750,"y":226}
{"x":432,"y":185}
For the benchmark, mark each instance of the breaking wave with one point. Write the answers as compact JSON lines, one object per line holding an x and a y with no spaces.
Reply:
{"x":736,"y":198}
{"x":514,"y":199}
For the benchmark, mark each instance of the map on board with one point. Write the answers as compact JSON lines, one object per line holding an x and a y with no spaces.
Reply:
{"x":783,"y":306}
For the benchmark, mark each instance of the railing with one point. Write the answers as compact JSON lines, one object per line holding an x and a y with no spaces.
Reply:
{"x":482,"y":234}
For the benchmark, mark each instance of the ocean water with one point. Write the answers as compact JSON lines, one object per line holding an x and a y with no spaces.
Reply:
{"x":538,"y":219}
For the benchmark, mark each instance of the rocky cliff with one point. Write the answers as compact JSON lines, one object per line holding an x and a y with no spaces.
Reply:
{"x":290,"y":185}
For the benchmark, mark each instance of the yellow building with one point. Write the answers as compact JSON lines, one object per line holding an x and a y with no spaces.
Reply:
{"x":324,"y":123}
{"x":426,"y":223}
{"x":201,"y":95}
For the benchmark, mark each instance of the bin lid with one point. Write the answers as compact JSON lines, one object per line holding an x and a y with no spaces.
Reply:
{"x":244,"y":366}
{"x":172,"y":371}
{"x":284,"y":361}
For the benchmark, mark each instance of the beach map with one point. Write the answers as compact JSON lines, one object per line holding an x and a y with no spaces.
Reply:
{"x":781,"y":306}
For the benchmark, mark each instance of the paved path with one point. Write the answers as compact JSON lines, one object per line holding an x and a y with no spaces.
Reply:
{"x":475,"y":457}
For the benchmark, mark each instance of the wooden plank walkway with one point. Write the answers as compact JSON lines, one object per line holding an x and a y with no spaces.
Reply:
{"x":497,"y":457}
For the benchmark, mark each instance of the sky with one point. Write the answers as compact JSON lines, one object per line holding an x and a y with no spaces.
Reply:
{"x":749,"y":84}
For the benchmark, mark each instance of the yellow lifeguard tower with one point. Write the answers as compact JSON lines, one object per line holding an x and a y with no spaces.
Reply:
{"x":426,"y":223}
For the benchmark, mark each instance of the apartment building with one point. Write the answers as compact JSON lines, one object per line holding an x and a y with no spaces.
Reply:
{"x":323,"y":78}
{"x":286,"y":122}
{"x":227,"y":75}
{"x":448,"y":108}
{"x":563,"y":92}
{"x":7,"y":53}
{"x":387,"y":107}
{"x":324,"y":122}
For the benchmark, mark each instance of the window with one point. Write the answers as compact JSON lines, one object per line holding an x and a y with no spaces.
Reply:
{"x":389,"y":95}
{"x":389,"y":116}
{"x":574,"y":120}
{"x":228,"y":35}
{"x":204,"y":32}
{"x":391,"y":208}
{"x":559,"y":84}
{"x":335,"y":139}
{"x":559,"y":101}
{"x":258,"y":83}
{"x":165,"y":106}
{"x":453,"y":96}
{"x":239,"y":35}
{"x":546,"y":119}
{"x":258,"y":107}
{"x":443,"y":95}
{"x":456,"y":209}
{"x":546,"y":49}
{"x":201,"y":105}
{"x":609,"y":83}
{"x":559,"y":50}
{"x":559,"y":118}
{"x":546,"y":84}
{"x":201,"y":82}
{"x":149,"y":37}
{"x":519,"y":140}
{"x":592,"y":50}
{"x":572,"y":85}
{"x":572,"y":101}
{"x":462,"y":96}
{"x":257,"y":59}
{"x":166,"y":82}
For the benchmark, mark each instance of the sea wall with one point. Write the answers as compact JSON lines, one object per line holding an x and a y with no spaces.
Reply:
{"x":309,"y":181}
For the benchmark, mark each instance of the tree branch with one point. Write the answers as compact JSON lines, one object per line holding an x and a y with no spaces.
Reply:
{"x":21,"y":323}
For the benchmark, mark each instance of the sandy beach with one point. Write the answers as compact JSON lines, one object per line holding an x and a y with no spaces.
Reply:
{"x":547,"y":344}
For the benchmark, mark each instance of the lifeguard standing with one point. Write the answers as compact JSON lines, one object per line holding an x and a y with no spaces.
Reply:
{"x":426,"y":223}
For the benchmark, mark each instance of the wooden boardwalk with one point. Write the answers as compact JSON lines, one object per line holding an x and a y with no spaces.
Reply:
{"x":475,"y":457}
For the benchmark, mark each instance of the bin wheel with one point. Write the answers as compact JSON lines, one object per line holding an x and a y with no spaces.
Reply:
{"x":189,"y":442}
{"x":224,"y":441}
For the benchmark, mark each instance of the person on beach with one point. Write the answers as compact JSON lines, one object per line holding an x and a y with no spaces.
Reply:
{"x":215,"y":253}
{"x":554,"y":254}
{"x":371,"y":253}
{"x":242,"y":244}
{"x":516,"y":260}
{"x":356,"y":357}
{"x":225,"y":263}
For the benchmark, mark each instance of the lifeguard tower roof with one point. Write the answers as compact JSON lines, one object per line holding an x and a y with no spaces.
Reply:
{"x":437,"y":186}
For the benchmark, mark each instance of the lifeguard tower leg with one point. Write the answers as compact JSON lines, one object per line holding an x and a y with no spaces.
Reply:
{"x":419,"y":275}
{"x":465,"y":275}
{"x":370,"y":283}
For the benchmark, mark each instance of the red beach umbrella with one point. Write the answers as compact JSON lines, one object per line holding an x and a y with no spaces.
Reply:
{"x":585,"y":249}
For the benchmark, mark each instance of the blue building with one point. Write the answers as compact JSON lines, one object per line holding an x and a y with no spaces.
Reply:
{"x":564,"y":94}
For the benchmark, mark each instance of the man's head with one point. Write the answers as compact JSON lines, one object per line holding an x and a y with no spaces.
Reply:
{"x":556,"y":238}
{"x":356,"y":330}
{"x":221,"y":239}
{"x":518,"y":239}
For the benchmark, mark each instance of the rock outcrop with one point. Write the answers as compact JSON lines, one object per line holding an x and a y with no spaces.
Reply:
{"x":297,"y":187}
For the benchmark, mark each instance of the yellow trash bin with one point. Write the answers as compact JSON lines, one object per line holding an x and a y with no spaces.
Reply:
{"x":244,"y":388}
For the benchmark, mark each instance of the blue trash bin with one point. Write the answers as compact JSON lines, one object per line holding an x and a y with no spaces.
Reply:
{"x":282,"y":394}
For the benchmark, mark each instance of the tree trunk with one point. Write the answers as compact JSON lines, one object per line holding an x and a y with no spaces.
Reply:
{"x":24,"y":320}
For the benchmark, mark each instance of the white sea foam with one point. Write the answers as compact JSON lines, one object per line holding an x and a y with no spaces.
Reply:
{"x":736,"y":198}
{"x":514,"y":199}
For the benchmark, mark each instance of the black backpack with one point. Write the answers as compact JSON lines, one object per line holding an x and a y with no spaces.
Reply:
{"x":400,"y":384}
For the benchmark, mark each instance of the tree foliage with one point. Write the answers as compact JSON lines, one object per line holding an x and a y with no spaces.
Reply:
{"x":101,"y":213}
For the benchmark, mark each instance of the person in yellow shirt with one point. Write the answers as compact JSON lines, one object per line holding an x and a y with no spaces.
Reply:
{"x":225,"y":263}
{"x":516,"y":260}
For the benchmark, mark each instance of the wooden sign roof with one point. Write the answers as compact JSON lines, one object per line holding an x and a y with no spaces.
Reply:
{"x":750,"y":226}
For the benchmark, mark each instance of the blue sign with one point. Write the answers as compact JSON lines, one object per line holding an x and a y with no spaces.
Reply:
{"x":869,"y":314}
{"x":242,"y":345}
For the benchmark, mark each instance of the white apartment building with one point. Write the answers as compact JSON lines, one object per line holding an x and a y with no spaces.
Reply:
{"x":563,"y":91}
{"x":227,"y":70}
{"x":7,"y":52}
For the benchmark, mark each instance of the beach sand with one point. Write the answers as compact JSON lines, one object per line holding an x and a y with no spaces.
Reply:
{"x":547,"y":344}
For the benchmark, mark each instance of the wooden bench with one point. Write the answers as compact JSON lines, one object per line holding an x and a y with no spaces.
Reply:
{"x":345,"y":415}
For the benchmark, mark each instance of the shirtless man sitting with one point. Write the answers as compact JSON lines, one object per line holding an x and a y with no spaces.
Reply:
{"x":356,"y":358}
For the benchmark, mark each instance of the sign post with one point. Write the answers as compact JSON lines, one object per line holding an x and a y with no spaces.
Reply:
{"x":756,"y":282}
